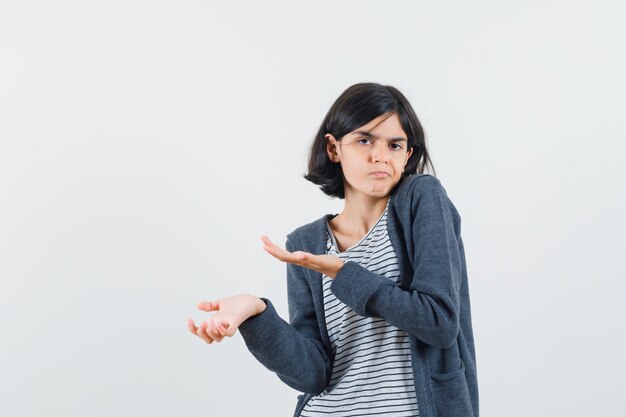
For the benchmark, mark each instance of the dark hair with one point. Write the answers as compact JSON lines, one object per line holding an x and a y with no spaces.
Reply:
{"x":356,"y":106}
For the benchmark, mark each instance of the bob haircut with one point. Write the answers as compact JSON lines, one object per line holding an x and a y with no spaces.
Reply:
{"x":356,"y":106}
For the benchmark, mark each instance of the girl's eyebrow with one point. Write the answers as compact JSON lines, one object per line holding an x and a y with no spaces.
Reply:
{"x":371,"y":135}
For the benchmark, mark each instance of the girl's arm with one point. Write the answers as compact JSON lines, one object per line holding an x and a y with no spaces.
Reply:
{"x":430,"y":310}
{"x":294,"y":350}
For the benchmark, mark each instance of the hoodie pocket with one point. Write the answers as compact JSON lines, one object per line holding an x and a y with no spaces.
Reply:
{"x":451,"y":394}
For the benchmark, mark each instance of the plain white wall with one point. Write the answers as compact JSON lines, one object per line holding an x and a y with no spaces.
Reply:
{"x":146,"y":145}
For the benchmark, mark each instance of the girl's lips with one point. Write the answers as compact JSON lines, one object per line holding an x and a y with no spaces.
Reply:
{"x":380,"y":174}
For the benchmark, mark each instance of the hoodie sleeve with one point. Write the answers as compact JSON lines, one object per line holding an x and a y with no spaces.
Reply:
{"x":430,"y":309}
{"x":294,"y":350}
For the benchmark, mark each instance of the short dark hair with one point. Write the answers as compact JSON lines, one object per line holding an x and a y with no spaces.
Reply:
{"x":358,"y":105}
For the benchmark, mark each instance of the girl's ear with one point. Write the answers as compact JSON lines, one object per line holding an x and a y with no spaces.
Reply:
{"x":331,"y":147}
{"x":408,"y":155}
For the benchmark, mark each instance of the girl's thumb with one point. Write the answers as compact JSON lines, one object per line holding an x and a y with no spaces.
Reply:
{"x":209,"y":305}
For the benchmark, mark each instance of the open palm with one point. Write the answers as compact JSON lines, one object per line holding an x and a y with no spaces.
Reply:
{"x":325,"y":264}
{"x":230,"y":313}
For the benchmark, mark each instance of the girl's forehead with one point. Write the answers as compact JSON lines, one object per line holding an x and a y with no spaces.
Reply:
{"x":388,"y":123}
{"x":383,"y":119}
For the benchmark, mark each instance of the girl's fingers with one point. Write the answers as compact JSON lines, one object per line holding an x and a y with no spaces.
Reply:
{"x":268,"y":245}
{"x":275,"y":250}
{"x":227,"y":329}
{"x":283,"y":254}
{"x":203,"y":334}
{"x":300,"y":258}
{"x":192,"y":326}
{"x":308,"y":260}
{"x":212,"y":332}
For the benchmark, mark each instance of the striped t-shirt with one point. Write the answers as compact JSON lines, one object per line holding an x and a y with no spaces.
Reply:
{"x":372,"y":372}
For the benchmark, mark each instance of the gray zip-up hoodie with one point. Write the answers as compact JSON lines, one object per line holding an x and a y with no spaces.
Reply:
{"x":431,"y":303}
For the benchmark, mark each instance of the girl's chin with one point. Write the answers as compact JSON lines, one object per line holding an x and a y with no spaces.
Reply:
{"x":376,"y":190}
{"x":379,"y":191}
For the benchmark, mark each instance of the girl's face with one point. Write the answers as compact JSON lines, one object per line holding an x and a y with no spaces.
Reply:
{"x":372,"y":156}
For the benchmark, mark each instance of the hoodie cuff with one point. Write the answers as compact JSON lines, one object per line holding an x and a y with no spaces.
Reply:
{"x":261,"y":328}
{"x":354,"y":285}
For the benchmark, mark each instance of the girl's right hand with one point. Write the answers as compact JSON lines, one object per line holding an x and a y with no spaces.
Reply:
{"x":231,"y":312}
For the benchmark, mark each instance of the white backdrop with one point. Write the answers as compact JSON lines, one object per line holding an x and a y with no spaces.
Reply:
{"x":146,"y":145}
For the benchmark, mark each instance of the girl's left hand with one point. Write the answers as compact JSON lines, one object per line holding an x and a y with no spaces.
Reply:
{"x":328,"y":265}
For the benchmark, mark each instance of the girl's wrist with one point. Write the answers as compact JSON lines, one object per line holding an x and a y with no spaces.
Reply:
{"x":340,"y":264}
{"x":259,"y":306}
{"x":262,"y":306}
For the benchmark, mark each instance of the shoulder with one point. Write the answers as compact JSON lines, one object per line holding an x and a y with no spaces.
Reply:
{"x":307,"y":236}
{"x":422,"y":191}
{"x":418,"y":185}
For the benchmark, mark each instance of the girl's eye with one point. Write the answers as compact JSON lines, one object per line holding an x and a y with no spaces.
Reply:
{"x":394,"y":146}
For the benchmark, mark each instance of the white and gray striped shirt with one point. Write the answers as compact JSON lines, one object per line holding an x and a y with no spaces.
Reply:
{"x":372,"y":372}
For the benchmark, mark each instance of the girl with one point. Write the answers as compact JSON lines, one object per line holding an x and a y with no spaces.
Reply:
{"x":379,"y":308}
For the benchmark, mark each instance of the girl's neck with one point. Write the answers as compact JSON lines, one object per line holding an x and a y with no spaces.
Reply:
{"x":359,"y":214}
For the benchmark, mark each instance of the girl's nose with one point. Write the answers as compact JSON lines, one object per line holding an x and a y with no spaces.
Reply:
{"x":380,"y":152}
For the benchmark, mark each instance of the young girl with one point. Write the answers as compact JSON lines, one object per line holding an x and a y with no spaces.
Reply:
{"x":379,"y":308}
